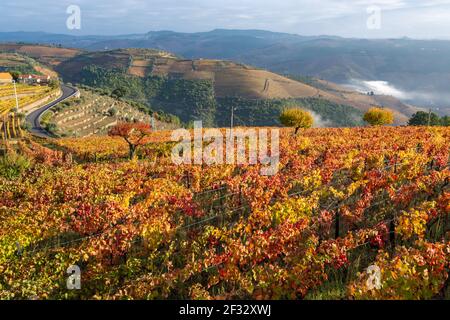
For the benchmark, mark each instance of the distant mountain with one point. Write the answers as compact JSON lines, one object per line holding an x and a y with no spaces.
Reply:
{"x":416,"y":71}
{"x":188,"y":87}
{"x":180,"y":43}
{"x":174,"y":85}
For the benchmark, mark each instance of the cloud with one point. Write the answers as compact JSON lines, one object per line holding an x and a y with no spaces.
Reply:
{"x":415,"y":18}
{"x":319,"y":122}
{"x":378,"y":87}
{"x":419,"y":98}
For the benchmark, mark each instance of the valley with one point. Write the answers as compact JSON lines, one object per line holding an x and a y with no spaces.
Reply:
{"x":418,"y":68}
{"x":149,"y":74}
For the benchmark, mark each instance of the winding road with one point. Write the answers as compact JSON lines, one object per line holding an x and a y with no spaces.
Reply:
{"x":34,"y":118}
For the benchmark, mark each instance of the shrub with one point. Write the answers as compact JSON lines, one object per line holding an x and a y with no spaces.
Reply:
{"x":119,"y":92}
{"x":51,"y":127}
{"x":379,"y":117}
{"x":296,"y":118}
{"x":12,"y":165}
{"x":54,"y":84}
{"x":112,"y":112}
{"x":26,"y":126}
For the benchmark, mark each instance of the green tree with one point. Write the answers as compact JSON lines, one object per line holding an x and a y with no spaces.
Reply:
{"x":445,"y":121}
{"x":54,"y":83}
{"x":379,"y":116}
{"x":15,"y":75}
{"x":422,"y":118}
{"x":119,"y":92}
{"x":296,"y":118}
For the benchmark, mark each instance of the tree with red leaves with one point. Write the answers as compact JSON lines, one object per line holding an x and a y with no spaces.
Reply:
{"x":133,"y":133}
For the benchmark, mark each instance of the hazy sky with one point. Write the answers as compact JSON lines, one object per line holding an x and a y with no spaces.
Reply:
{"x":413,"y":18}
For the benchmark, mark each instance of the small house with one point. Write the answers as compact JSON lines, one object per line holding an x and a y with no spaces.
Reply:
{"x":34,"y":79}
{"x":5,"y":78}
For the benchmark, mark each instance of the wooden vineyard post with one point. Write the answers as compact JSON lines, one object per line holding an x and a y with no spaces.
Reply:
{"x":432,"y":165}
{"x":2,"y":124}
{"x":338,"y":222}
{"x":13,"y":126}
{"x":240,"y":196}
{"x":3,"y":129}
{"x":395,"y":165}
{"x":69,"y":158}
{"x":19,"y":127}
{"x":222,"y":215}
{"x":8,"y":131}
{"x":188,"y":180}
{"x":392,"y":233}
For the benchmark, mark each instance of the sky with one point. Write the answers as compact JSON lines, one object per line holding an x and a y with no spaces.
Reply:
{"x":422,"y":19}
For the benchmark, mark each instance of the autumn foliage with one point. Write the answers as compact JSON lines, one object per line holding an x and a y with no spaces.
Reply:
{"x":296,"y":118}
{"x":134,"y":134}
{"x":343,"y":200}
{"x":379,"y":117}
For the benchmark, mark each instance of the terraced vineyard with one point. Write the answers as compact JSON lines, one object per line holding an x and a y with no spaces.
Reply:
{"x":8,"y":90}
{"x":26,"y":96}
{"x":11,"y":122}
{"x":11,"y":127}
{"x":343,"y":202}
{"x":92,"y":114}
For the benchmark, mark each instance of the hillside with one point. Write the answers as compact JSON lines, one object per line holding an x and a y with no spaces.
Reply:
{"x":420,"y":69}
{"x":158,"y":76}
{"x":94,"y":114}
{"x":48,"y":55}
{"x":14,"y":62}
{"x":230,"y":79}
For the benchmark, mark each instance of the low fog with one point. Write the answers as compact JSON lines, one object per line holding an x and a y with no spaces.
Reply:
{"x":438,"y":101}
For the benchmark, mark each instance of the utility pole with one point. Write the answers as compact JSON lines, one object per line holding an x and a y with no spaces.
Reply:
{"x":153,"y":122}
{"x":232,"y":118}
{"x":429,"y":118}
{"x":232,"y":121}
{"x":15,"y":93}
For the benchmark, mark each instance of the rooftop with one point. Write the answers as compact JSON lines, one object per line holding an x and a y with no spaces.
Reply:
{"x":5,"y":76}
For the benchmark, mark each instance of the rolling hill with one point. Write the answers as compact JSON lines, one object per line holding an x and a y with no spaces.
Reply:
{"x":46,"y":54}
{"x":206,"y":88}
{"x":418,"y":69}
{"x":14,"y":62}
{"x":229,"y":79}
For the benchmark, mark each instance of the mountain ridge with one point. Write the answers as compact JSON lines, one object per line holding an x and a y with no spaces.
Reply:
{"x":418,"y":68}
{"x":147,"y":70}
{"x":229,"y":79}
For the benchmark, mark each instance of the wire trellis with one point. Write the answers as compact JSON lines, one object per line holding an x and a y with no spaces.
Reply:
{"x":204,"y":221}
